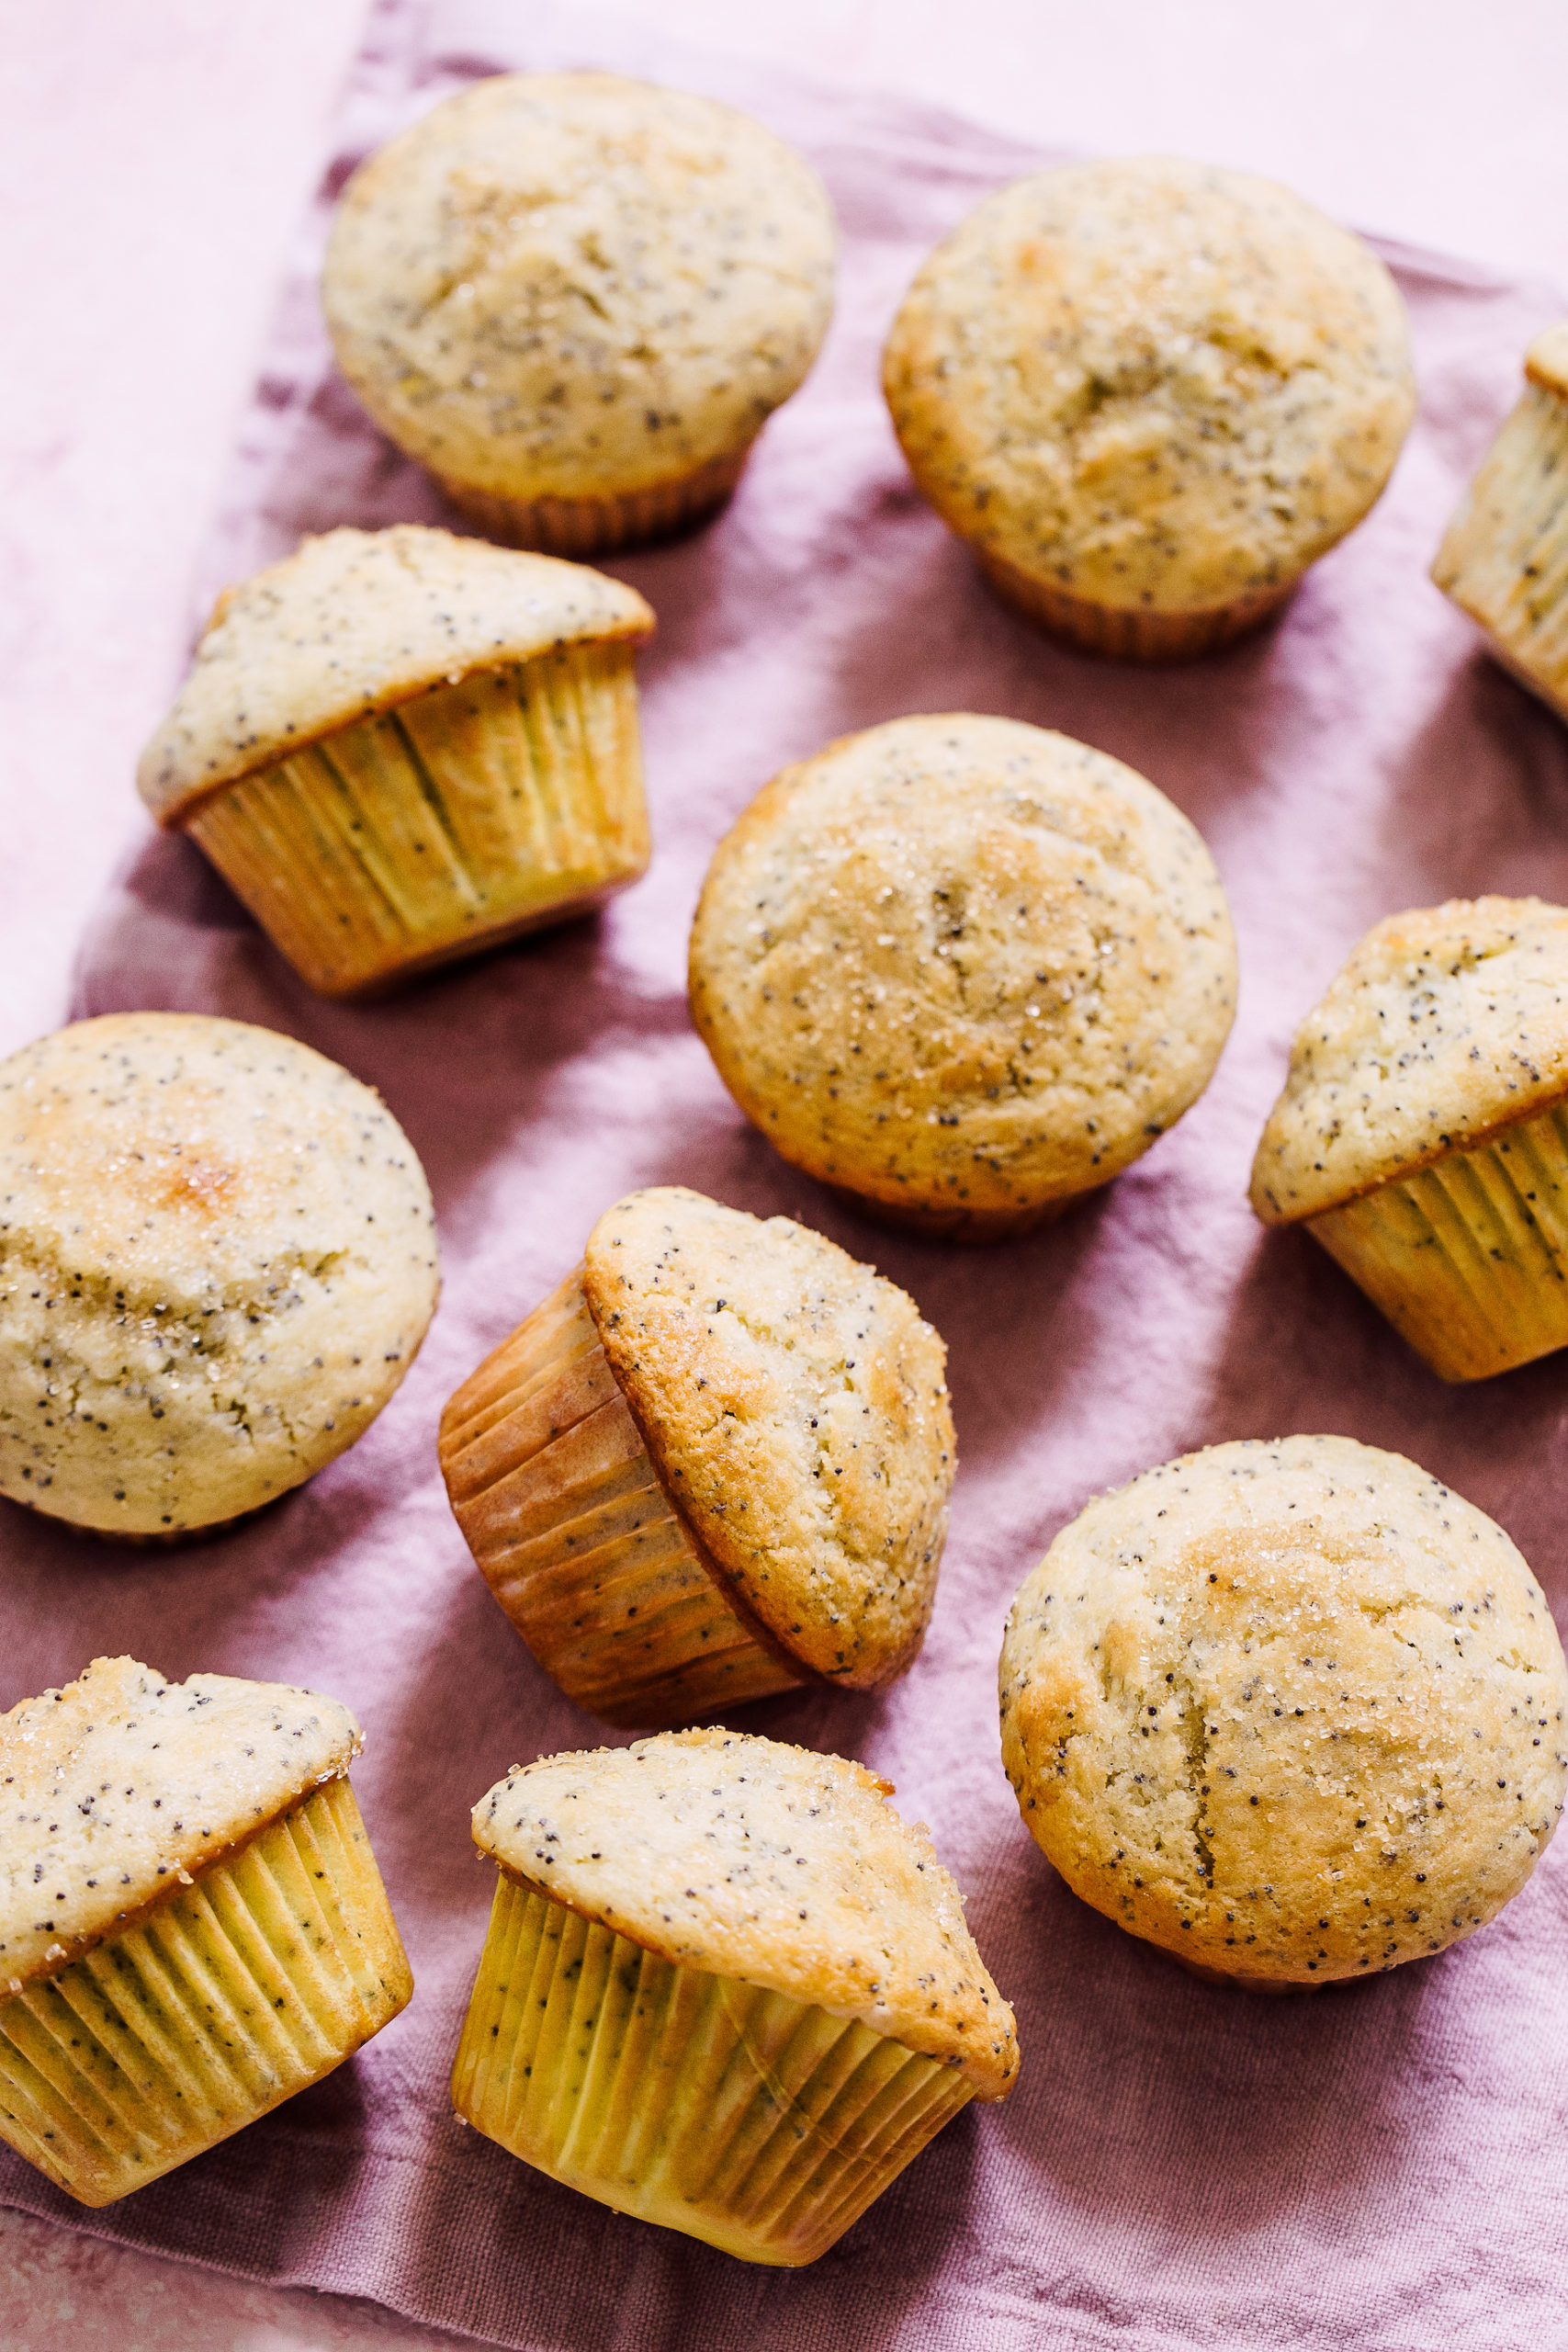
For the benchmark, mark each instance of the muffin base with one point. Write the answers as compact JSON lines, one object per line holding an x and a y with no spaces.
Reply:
{"x":1238,"y":1981}
{"x":136,"y":1540}
{"x":1130,"y":634}
{"x":1468,"y":1257}
{"x":473,"y":812}
{"x":563,"y":1510}
{"x":1504,"y":558}
{"x":231,"y":1994}
{"x":967,"y":1226}
{"x":583,"y":528}
{"x":756,"y":2122}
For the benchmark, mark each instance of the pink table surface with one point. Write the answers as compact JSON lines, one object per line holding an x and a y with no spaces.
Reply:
{"x":1177,"y":2169}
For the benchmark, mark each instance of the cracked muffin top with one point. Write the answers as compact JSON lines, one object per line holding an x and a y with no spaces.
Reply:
{"x":217,"y":1262}
{"x":963,"y":967}
{"x":794,"y":1404}
{"x":354,"y":623}
{"x":1151,"y":383}
{"x":572,"y":285}
{"x":1294,"y":1711}
{"x":1445,"y":1024}
{"x":119,"y":1787}
{"x":747,"y":1858}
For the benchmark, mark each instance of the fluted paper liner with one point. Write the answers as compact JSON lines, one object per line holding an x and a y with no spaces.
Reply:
{"x":760,"y":2123}
{"x":583,"y":529}
{"x":476,"y":810}
{"x":1468,"y":1258}
{"x":228,"y":1996}
{"x":559,"y":1503}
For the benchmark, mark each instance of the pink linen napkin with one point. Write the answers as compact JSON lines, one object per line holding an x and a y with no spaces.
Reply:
{"x":1373,"y":2167}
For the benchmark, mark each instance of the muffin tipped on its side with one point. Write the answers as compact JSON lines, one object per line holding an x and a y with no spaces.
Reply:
{"x":400,"y":748}
{"x":192,"y":1925}
{"x":714,"y":1464}
{"x":1422,"y":1136}
{"x":782,"y":2005}
{"x":1504,"y":558}
{"x":1293,"y":1712}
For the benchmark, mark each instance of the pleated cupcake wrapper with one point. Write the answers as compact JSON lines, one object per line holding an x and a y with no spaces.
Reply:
{"x":1129,"y":635}
{"x":1505,"y":556}
{"x":227,"y":1997}
{"x":584,"y":527}
{"x":743,"y":2117}
{"x":470,"y":813}
{"x":560,"y":1505}
{"x":1468,"y":1257}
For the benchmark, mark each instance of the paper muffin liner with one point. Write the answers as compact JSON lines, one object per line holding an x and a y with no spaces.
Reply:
{"x":1129,"y":635}
{"x":231,"y":1994}
{"x":584,"y":527}
{"x":1468,"y":1258}
{"x":1504,"y":558}
{"x":740,"y":2116}
{"x":564,"y":1513}
{"x":476,"y":810}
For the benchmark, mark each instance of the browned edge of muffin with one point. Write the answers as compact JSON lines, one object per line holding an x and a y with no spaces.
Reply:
{"x":1132,"y":633}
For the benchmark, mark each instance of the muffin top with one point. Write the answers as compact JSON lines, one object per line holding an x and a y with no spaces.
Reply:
{"x":746,"y":1858}
{"x":1546,"y":361}
{"x":794,"y":1404}
{"x":1151,"y":383}
{"x":570,"y":285}
{"x":1446,"y":1023}
{"x":963,"y":962}
{"x":115,"y":1790}
{"x":1290,"y":1710}
{"x":355,"y":622}
{"x":217,"y":1261}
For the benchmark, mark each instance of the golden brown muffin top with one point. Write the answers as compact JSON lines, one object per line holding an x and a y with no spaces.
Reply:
{"x":795,"y":1406}
{"x":1290,"y":1710}
{"x":573,"y":286}
{"x":118,"y":1788}
{"x":217,"y":1255}
{"x":746,"y":1858}
{"x":1445,"y":1024}
{"x":1546,"y":361}
{"x":1150,"y":382}
{"x":962,"y":962}
{"x":353,"y":623}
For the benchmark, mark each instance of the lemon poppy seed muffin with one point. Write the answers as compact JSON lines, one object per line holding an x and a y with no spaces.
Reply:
{"x":1149,"y":393}
{"x":576,"y":299}
{"x":1421,"y":1135}
{"x":192,"y":1925}
{"x":217,"y":1262}
{"x":401,"y":747}
{"x":1293,"y":1712}
{"x":754,"y":1997}
{"x":714,"y":1464}
{"x":964,"y":970}
{"x":1504,"y":558}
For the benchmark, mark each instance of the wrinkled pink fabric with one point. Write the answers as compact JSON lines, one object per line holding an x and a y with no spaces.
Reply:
{"x":1374,"y":2168}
